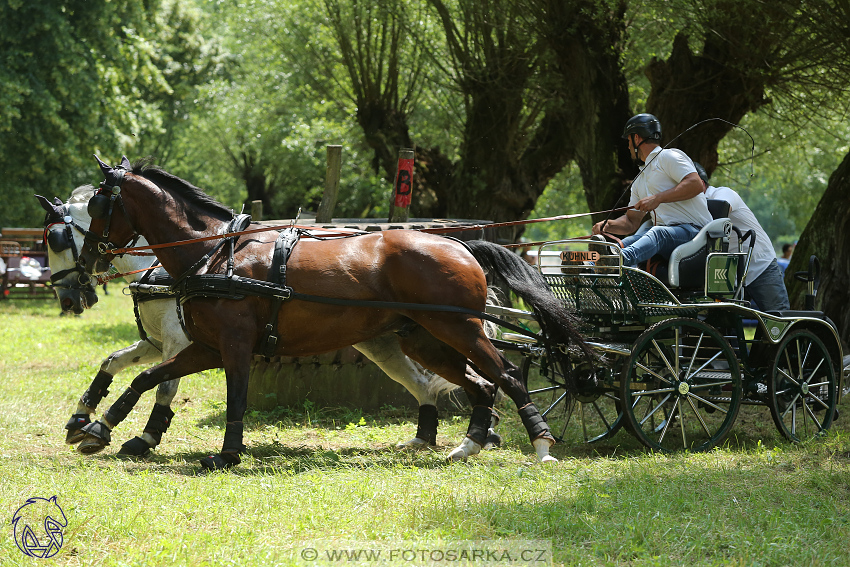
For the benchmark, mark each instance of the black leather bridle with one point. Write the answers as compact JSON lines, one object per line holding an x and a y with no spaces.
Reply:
{"x":102,"y":206}
{"x":61,"y":240}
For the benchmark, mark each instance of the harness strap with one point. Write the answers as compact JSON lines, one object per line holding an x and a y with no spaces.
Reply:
{"x":137,"y":298}
{"x":238,"y":223}
{"x":283,"y":247}
{"x":417,"y":307}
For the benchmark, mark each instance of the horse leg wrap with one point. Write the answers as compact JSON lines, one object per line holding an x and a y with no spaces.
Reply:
{"x":97,"y":390}
{"x":233,"y":438}
{"x":534,"y":422}
{"x":74,"y":428}
{"x":159,"y":421}
{"x":230,"y":449}
{"x":118,"y":411}
{"x":479,"y":423}
{"x":427,"y":426}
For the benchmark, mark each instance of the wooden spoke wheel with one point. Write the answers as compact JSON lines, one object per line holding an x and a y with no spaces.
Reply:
{"x":681,"y":389}
{"x":802,"y":386}
{"x":584,"y":417}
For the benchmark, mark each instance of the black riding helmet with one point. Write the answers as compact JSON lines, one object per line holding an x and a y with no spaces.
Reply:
{"x":646,"y":126}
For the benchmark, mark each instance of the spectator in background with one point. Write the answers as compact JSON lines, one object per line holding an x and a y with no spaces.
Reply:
{"x":763,"y":283}
{"x":787,"y":250}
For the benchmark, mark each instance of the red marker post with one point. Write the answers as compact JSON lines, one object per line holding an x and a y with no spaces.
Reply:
{"x":402,"y":187}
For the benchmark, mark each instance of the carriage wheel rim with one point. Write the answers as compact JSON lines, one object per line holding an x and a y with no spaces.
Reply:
{"x":671,"y":384}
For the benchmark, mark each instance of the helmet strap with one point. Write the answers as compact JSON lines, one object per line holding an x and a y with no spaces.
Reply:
{"x":635,"y":147}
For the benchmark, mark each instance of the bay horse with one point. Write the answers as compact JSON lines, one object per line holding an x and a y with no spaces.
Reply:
{"x":162,"y":336}
{"x":429,"y":291}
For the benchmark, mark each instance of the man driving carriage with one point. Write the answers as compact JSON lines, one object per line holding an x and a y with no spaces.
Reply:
{"x":667,"y":186}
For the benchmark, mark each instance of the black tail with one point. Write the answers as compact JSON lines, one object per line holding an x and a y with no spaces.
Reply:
{"x":558,"y":324}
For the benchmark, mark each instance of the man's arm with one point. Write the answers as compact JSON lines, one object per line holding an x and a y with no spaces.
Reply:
{"x":624,"y":225}
{"x":689,"y":187}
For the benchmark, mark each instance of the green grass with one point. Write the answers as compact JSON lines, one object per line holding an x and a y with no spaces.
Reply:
{"x":319,"y":477}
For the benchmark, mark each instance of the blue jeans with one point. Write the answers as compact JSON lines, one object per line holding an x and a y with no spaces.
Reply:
{"x":649,"y":241}
{"x":768,"y":290}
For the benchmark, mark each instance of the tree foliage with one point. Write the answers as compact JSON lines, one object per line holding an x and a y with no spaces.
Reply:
{"x":83,"y":76}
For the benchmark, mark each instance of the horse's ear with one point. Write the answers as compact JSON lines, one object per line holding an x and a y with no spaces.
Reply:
{"x":103,"y":167}
{"x":58,"y":202}
{"x":48,"y":206}
{"x":125,"y":163}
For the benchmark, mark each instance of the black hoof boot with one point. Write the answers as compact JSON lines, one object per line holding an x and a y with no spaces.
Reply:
{"x":75,"y":427}
{"x":220,"y":462}
{"x":98,"y":436}
{"x":135,"y":447}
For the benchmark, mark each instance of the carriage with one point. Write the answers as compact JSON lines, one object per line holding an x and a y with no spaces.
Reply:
{"x":678,"y":351}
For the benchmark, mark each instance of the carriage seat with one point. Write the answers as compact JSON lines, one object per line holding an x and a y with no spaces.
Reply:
{"x":718,"y":208}
{"x":686,"y":268}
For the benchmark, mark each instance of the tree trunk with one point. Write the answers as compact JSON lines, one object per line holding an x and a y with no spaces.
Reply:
{"x":587,"y":40}
{"x":827,"y":236}
{"x":256,"y":183}
{"x":689,"y":88}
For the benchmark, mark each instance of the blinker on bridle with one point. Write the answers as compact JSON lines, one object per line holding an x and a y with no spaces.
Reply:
{"x":60,"y":240}
{"x":102,"y":205}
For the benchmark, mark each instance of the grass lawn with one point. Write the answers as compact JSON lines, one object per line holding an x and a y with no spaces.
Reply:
{"x":330,"y":479}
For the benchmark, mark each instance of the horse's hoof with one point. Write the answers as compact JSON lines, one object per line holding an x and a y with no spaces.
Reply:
{"x":75,"y":426}
{"x":74,"y":437}
{"x":548,"y":459}
{"x":220,"y":462}
{"x":416,"y":444}
{"x":493,"y":440}
{"x":91,"y":445}
{"x":98,"y":436}
{"x":135,"y":447}
{"x":466,"y":449}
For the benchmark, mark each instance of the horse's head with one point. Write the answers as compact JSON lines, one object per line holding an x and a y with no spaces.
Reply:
{"x":109,"y":221}
{"x":64,"y":227}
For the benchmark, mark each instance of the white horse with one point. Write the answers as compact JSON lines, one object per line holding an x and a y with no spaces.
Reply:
{"x":163,"y":337}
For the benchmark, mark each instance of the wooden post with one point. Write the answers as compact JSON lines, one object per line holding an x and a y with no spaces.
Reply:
{"x":402,"y":187}
{"x":256,"y":211}
{"x":326,"y":207}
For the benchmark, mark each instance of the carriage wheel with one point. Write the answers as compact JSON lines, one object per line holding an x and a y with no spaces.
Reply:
{"x":682,"y":388}
{"x":802,"y":386}
{"x":586,"y":417}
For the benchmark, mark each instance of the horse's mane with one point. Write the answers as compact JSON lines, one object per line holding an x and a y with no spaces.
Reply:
{"x":81,"y":194}
{"x":189,"y":192}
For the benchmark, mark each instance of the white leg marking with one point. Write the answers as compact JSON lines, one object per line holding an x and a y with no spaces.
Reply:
{"x":466,"y":449}
{"x":542,"y":447}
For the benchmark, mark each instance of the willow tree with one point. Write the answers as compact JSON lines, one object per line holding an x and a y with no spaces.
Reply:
{"x":734,"y":57}
{"x":826,"y":236}
{"x":587,"y":41}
